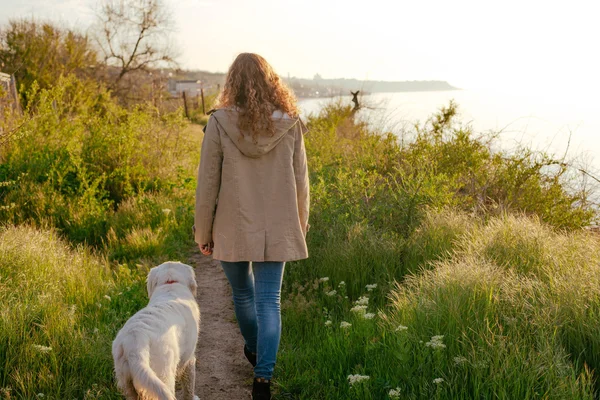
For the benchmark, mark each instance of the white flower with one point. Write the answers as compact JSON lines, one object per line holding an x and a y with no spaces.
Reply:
{"x":107,"y":297}
{"x":40,"y":395}
{"x":436,"y":342}
{"x":401,"y":328}
{"x":394,"y":393}
{"x":371,"y":287}
{"x":342,"y":283}
{"x":368,"y":316}
{"x":459,"y":360}
{"x":362,"y":301}
{"x":353,"y":379}
{"x":328,"y":322}
{"x":99,"y":305}
{"x":345,"y":325}
{"x":437,"y":381}
{"x":324,"y":279}
{"x":359,"y":309}
{"x":332,"y":293}
{"x":166,"y":211}
{"x":42,"y":349}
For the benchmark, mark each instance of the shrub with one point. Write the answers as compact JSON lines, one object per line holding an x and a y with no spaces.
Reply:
{"x":79,"y":155}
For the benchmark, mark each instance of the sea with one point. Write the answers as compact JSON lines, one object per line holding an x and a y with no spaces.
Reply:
{"x":563,"y":125}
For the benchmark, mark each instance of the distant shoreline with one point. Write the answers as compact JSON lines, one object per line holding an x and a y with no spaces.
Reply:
{"x":372,"y":93}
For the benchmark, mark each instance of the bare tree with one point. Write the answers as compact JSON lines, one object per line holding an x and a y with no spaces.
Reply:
{"x":133,"y":35}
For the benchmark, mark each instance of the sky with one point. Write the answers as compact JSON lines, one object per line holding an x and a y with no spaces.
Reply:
{"x":511,"y":45}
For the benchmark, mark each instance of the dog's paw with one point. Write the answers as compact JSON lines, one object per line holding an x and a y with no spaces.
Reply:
{"x":196,"y":397}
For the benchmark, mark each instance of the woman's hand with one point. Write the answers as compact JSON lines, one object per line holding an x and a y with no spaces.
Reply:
{"x":206,"y":249}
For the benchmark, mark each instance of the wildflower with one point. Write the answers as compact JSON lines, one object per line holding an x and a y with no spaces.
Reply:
{"x":99,"y":305}
{"x":342,"y":283}
{"x":107,"y":297}
{"x":359,"y":309}
{"x":401,"y":328}
{"x":368,"y":316}
{"x":394,"y":393}
{"x":166,"y":211}
{"x":324,"y":279}
{"x":40,"y":395}
{"x":332,"y":293}
{"x":437,"y":381}
{"x":328,"y":322}
{"x":436,"y":342}
{"x":353,"y":379}
{"x":345,"y":325}
{"x":362,"y":301}
{"x":459,"y":360}
{"x":42,"y":349}
{"x":95,"y":330}
{"x":371,"y":287}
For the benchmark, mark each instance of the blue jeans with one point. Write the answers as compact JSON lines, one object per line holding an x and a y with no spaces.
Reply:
{"x":256,"y":296}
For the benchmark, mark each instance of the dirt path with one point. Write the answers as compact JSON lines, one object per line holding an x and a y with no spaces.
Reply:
{"x":222,"y":372}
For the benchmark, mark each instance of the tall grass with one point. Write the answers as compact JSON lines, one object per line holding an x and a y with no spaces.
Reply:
{"x":91,"y":196}
{"x":516,"y":303}
{"x":62,"y":309}
{"x":479,"y":278}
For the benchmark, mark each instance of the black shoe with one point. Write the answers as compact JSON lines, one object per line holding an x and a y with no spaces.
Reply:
{"x":250,"y":356}
{"x":261,"y":389}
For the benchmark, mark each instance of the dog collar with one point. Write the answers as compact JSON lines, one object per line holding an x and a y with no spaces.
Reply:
{"x":169,"y":282}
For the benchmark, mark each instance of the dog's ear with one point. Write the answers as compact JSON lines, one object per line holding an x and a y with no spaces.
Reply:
{"x":151,"y":282}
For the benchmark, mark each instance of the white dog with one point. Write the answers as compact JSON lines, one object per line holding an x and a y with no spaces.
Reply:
{"x":157,"y":345}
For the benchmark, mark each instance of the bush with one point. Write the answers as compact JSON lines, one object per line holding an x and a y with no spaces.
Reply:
{"x":79,"y":155}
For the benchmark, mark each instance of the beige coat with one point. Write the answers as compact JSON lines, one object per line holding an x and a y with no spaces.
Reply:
{"x":252,"y":198}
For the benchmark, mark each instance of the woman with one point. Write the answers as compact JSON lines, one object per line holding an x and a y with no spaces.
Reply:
{"x":252,"y":201}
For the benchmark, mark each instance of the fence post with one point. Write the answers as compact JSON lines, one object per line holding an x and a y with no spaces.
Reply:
{"x":185,"y":106}
{"x":202,"y":94}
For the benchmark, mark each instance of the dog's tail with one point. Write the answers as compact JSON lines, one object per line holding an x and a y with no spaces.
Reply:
{"x":143,"y":378}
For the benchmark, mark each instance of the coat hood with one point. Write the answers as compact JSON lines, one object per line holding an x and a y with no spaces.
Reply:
{"x":261,"y":144}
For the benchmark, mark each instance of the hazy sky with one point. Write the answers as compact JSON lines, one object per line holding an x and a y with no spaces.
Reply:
{"x":472,"y":44}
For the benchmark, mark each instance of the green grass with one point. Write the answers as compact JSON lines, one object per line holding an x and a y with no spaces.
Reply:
{"x":440,"y":233}
{"x":461,"y":242}
{"x":510,"y":330}
{"x":92,"y":195}
{"x":64,"y":306}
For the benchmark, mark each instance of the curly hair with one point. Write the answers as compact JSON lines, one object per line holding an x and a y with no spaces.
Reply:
{"x":257,"y":91}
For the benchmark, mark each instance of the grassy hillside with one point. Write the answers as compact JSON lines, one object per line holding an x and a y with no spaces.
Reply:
{"x":438,"y":268}
{"x":91,"y":196}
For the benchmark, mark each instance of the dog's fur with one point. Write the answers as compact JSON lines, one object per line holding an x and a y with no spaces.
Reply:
{"x":157,"y":345}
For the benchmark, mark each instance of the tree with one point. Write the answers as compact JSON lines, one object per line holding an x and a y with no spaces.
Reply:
{"x":133,"y":36}
{"x":42,"y":52}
